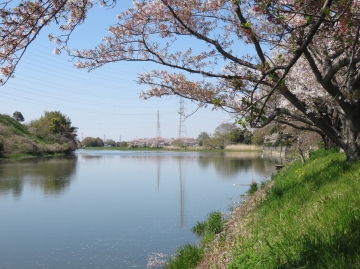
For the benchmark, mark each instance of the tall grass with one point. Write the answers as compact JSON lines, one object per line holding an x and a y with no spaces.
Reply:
{"x":185,"y":257}
{"x":310,"y":219}
{"x":188,"y":256}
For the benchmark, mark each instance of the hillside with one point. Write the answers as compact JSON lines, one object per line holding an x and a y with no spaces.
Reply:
{"x":17,"y":138}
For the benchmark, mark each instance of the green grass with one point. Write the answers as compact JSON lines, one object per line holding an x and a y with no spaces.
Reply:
{"x":185,"y":257}
{"x":310,"y":219}
{"x":253,"y":188}
{"x":210,"y":227}
{"x":188,"y":256}
{"x":30,"y":155}
{"x":14,"y":126}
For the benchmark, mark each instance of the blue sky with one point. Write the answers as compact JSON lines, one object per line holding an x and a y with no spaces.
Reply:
{"x":102,"y":102}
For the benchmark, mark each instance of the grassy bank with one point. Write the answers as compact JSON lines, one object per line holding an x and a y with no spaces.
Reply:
{"x":30,"y":155}
{"x":41,"y":137}
{"x":308,"y":216}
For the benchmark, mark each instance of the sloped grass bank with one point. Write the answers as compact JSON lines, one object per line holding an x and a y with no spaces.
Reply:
{"x":310,"y":218}
{"x":307,"y":216}
{"x":20,"y":140}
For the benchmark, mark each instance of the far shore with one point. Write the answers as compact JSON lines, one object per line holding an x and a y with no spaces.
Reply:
{"x":192,"y":148}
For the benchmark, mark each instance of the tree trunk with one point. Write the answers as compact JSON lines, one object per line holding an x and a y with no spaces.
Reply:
{"x":352,"y":150}
{"x":351,"y":140}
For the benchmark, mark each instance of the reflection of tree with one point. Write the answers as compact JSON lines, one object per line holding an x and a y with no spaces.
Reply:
{"x":51,"y":174}
{"x":228,"y":164}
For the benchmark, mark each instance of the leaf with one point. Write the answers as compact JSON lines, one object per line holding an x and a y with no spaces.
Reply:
{"x":246,"y":25}
{"x":217,"y":102}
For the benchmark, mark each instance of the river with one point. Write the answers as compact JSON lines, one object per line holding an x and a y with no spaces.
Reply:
{"x":112,"y":209}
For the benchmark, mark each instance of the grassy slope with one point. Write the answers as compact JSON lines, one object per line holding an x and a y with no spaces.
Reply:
{"x":15,"y":129}
{"x":310,"y":218}
{"x":13,"y":125}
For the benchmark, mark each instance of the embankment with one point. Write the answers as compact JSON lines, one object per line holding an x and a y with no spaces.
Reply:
{"x":21,"y":140}
{"x":308,"y":216}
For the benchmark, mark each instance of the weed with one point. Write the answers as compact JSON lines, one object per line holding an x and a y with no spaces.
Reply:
{"x":212,"y":225}
{"x":185,"y":257}
{"x":253,"y":188}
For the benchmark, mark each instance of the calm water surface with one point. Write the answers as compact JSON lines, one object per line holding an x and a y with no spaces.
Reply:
{"x":111,"y":209}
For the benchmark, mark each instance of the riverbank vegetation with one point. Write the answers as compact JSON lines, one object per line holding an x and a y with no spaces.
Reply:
{"x":188,"y":256}
{"x":307,"y":216}
{"x":52,"y":133}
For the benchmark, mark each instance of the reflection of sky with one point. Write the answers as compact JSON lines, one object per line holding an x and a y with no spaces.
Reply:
{"x":119,"y":207}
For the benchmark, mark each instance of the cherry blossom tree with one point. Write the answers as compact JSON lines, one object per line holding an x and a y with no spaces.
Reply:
{"x":157,"y":142}
{"x":21,"y":22}
{"x":302,"y":70}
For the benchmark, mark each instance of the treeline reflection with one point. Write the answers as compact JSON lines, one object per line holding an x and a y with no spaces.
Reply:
{"x":226,"y":164}
{"x":52,"y":174}
{"x":229,"y":164}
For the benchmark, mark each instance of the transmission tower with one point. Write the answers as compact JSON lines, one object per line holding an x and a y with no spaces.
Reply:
{"x":158,"y":130}
{"x":182,"y":118}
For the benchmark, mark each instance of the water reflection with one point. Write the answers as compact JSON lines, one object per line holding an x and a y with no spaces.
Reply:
{"x":182,"y":192}
{"x":52,"y":174}
{"x":121,"y":205}
{"x":229,"y":164}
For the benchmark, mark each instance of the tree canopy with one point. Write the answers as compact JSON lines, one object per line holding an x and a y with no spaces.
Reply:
{"x":92,"y":142}
{"x":18,"y":116}
{"x":303,"y":69}
{"x":53,"y":127}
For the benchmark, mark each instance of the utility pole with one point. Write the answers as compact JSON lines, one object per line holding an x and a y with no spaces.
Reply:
{"x":158,"y":130}
{"x":182,"y":118}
